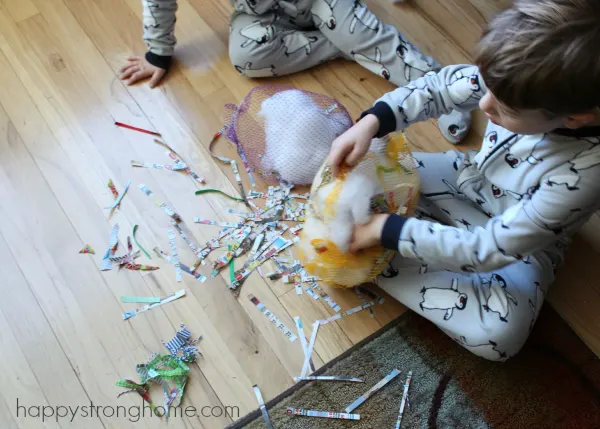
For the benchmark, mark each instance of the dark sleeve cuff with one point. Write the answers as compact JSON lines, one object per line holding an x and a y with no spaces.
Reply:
{"x":160,"y":61}
{"x":385,"y":114}
{"x":391,"y":231}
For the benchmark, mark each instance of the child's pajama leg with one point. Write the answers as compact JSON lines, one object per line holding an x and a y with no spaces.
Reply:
{"x":271,"y":45}
{"x":490,"y":314}
{"x":382,"y":49}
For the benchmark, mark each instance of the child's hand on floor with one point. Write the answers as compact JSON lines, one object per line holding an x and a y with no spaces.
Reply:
{"x":351,"y":146}
{"x":369,"y":234}
{"x":138,"y":68}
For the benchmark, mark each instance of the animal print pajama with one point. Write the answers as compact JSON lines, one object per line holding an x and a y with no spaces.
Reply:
{"x":492,"y":226}
{"x":489,"y":313}
{"x":269,"y":38}
{"x":279,"y":37}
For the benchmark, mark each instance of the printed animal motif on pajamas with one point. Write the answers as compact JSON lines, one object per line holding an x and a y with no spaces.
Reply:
{"x":464,"y":223}
{"x":443,"y":299}
{"x":413,"y":245}
{"x":298,"y":41}
{"x":373,"y":64}
{"x":536,"y":304}
{"x":248,"y":71}
{"x":452,"y":189}
{"x":497,"y":192}
{"x":389,"y":272}
{"x":415,"y":63}
{"x":513,"y":161}
{"x":464,"y":89}
{"x":257,"y":33}
{"x":498,"y":300}
{"x":582,"y":161}
{"x":323,"y":11}
{"x":438,"y":228}
{"x":486,"y":350}
{"x":363,"y":15}
{"x":416,"y":105}
{"x":153,"y":23}
{"x":491,"y":138}
{"x":527,"y":195}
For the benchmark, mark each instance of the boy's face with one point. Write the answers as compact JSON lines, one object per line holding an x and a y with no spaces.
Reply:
{"x":525,"y":122}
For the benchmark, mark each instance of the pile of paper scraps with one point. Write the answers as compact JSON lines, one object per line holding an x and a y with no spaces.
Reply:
{"x":127,"y":260}
{"x":260,"y":236}
{"x":169,"y":371}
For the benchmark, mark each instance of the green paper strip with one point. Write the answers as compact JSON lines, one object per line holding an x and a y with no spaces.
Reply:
{"x":216,"y":191}
{"x":231,"y":267}
{"x":143,"y":299}
{"x":135,"y":227}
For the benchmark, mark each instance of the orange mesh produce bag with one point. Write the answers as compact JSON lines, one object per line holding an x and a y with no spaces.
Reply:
{"x":388,"y":163}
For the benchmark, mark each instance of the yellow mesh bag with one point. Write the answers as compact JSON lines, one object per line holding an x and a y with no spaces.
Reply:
{"x":390,"y":163}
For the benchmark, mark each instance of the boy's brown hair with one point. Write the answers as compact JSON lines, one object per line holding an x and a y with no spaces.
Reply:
{"x":544,"y":54}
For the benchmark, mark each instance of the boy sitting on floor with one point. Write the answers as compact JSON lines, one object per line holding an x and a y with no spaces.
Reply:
{"x":493,"y":224}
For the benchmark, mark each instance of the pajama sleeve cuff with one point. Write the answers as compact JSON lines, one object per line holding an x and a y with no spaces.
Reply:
{"x":385,"y":114}
{"x":160,"y":61}
{"x":391,"y":231}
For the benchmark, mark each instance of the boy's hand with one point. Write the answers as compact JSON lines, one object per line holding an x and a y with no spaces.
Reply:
{"x":369,"y":234}
{"x":138,"y":68}
{"x":351,"y":146}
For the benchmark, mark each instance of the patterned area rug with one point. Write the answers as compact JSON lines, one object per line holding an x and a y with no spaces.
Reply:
{"x":554,"y":382}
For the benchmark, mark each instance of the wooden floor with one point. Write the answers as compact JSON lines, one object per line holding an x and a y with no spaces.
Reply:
{"x":62,"y":338}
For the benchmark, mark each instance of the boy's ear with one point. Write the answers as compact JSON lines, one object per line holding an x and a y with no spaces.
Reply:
{"x":579,"y":120}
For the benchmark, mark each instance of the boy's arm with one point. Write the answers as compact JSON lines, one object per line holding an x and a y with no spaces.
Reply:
{"x":458,"y":87}
{"x":159,"y":31}
{"x":564,"y":200}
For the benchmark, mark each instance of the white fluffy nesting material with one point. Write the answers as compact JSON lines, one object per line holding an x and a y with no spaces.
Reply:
{"x":299,"y":134}
{"x":353,"y":207}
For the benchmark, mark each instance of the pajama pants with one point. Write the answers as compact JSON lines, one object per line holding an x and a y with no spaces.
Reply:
{"x":300,"y":34}
{"x":491,"y":314}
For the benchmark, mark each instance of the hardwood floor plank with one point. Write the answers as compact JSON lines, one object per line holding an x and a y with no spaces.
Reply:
{"x":19,"y":381}
{"x":20,"y":9}
{"x":57,"y":379}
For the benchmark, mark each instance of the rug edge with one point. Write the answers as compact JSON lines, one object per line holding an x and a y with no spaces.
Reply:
{"x":238,"y":424}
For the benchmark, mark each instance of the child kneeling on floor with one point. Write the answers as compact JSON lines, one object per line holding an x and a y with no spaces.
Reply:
{"x":493,"y":224}
{"x":278,"y":37}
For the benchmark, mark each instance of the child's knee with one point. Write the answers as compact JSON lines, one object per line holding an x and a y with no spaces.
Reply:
{"x":250,"y":63}
{"x":498,"y":344}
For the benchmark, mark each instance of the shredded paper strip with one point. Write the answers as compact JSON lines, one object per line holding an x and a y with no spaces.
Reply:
{"x":362,"y":398}
{"x":159,"y":203}
{"x":119,"y":197}
{"x":130,"y":314}
{"x":113,"y":242}
{"x":311,"y":346}
{"x":322,"y":414}
{"x":175,"y":256}
{"x":272,"y":318}
{"x":328,"y":378}
{"x":346,"y":313}
{"x":263,"y":409}
{"x":404,"y":398}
